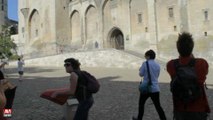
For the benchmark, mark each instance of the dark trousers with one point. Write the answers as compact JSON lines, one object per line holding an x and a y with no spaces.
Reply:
{"x":155,"y":98}
{"x":83,"y":109}
{"x":190,"y":116}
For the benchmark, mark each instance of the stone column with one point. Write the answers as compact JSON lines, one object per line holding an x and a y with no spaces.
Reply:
{"x":83,"y":26}
{"x":184,"y":26}
{"x":25,"y":12}
{"x":153,"y":26}
{"x":101,"y":28}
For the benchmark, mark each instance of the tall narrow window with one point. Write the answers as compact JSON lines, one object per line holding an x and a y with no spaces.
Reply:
{"x":206,"y":15}
{"x":139,"y":18}
{"x":171,"y":12}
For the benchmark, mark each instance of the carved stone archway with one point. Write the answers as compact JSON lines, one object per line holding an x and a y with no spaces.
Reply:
{"x":116,"y":39}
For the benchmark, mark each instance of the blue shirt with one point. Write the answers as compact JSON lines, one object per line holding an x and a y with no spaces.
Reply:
{"x":154,"y":69}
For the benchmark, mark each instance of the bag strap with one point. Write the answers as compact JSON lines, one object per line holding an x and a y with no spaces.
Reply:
{"x":149,"y":76}
{"x":190,"y":63}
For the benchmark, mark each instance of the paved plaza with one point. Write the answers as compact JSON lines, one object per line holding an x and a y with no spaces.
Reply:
{"x":116,"y":100}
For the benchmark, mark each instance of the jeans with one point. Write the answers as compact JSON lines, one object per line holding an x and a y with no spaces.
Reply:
{"x":155,"y":98}
{"x":83,"y":109}
{"x":190,"y":116}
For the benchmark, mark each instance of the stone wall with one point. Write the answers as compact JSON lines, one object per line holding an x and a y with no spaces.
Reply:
{"x":68,"y":26}
{"x":37,"y":26}
{"x":3,"y":13}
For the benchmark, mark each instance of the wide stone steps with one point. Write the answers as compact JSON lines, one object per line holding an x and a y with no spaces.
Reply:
{"x":95,"y":58}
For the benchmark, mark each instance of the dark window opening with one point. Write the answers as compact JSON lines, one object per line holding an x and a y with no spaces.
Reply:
{"x":205,"y":33}
{"x":206,"y":15}
{"x":146,"y":29}
{"x":175,"y":28}
{"x":139,"y":18}
{"x":36,"y":33}
{"x":171,"y":13}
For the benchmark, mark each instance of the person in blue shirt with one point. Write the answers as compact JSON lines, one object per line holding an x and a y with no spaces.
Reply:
{"x":154,"y":93}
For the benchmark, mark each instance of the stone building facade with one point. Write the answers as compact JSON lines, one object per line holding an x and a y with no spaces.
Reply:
{"x":3,"y":13}
{"x":55,"y":26}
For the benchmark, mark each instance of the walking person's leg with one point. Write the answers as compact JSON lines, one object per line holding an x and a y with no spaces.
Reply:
{"x":142,"y":100}
{"x":83,"y":109}
{"x":20,"y":75}
{"x":156,"y":100}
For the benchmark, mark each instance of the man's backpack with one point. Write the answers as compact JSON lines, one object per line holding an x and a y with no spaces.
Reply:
{"x":92,"y":84}
{"x":184,"y":85}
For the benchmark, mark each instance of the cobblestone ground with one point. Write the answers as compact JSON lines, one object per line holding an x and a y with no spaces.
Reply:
{"x":116,"y":100}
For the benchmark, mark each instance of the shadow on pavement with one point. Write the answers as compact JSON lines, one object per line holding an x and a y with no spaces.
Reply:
{"x":12,"y":70}
{"x":116,"y":100}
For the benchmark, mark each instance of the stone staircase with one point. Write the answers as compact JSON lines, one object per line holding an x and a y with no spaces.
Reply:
{"x":93,"y":58}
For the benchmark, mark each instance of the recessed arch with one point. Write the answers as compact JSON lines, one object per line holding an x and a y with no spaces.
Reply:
{"x":115,"y":38}
{"x":75,"y":29}
{"x":90,"y":6}
{"x":104,"y":4}
{"x":71,"y":23}
{"x":34,"y":24}
{"x":73,"y":12}
{"x":91,"y":26}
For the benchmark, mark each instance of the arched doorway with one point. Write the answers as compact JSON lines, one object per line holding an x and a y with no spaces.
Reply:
{"x":116,"y":39}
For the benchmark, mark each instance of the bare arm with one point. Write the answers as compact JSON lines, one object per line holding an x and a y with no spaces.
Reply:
{"x":72,"y":89}
{"x":73,"y":83}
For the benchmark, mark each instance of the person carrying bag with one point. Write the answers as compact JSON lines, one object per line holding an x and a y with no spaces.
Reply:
{"x":145,"y":88}
{"x":150,"y":71}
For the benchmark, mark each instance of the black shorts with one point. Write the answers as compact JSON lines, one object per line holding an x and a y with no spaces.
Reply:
{"x":20,"y":72}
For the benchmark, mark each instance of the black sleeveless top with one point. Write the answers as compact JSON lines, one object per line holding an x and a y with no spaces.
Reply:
{"x":81,"y":90}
